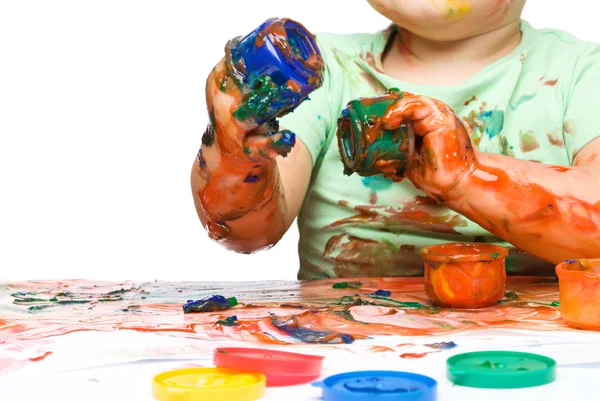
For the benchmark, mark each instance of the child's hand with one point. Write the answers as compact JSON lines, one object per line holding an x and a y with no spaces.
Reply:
{"x":244,"y":125}
{"x":443,"y":152}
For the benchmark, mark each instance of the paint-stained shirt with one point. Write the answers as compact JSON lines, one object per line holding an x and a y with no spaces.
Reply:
{"x":539,"y":103}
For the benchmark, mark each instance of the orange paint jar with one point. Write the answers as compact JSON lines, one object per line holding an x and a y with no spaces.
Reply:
{"x":465,"y":275}
{"x":579,"y":287}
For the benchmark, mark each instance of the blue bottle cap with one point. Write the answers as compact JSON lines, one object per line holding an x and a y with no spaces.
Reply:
{"x":282,"y":50}
{"x":378,"y":385}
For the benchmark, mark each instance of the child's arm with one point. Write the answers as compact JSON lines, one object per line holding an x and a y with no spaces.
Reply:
{"x":552,"y":212}
{"x":245,"y":194}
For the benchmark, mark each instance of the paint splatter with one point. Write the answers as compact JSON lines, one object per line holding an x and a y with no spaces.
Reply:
{"x":414,"y":215}
{"x":353,"y":256}
{"x":373,"y":198}
{"x":410,"y":355}
{"x":229,"y":321}
{"x":377,"y":182}
{"x":522,"y":100}
{"x":41,"y":357}
{"x":382,"y":293}
{"x":372,"y":61}
{"x":528,"y":142}
{"x":344,"y":285}
{"x":493,"y":121}
{"x":213,"y":303}
{"x":551,"y":82}
{"x":523,"y":57}
{"x":453,"y":9}
{"x":468,"y":102}
{"x":442,"y":345}
{"x":555,"y":138}
{"x":291,"y":327}
{"x":490,"y":122}
{"x":506,"y":149}
{"x":379,"y":348}
{"x":569,"y":127}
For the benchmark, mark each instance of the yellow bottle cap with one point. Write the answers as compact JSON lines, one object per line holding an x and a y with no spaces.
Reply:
{"x":208,"y":384}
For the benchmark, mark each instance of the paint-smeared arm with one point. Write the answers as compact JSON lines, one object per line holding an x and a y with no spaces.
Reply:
{"x":552,"y":212}
{"x":248,"y":182}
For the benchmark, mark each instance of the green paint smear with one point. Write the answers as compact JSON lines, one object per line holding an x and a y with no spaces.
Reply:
{"x":260,"y":100}
{"x":509,"y":297}
{"x":343,"y":285}
{"x":209,"y":135}
{"x":230,"y":321}
{"x":347,"y":315}
{"x":121,"y":291}
{"x":233,"y":301}
{"x":223,"y":85}
{"x":495,"y":255}
{"x":33,"y":300}
{"x":349,"y":301}
{"x":407,"y":305}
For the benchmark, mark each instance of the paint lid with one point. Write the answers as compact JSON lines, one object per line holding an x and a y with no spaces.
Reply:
{"x":208,"y":384}
{"x":280,"y":368}
{"x":501,"y":369}
{"x":378,"y":385}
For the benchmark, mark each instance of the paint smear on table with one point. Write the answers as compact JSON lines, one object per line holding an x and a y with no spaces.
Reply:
{"x":314,"y":313}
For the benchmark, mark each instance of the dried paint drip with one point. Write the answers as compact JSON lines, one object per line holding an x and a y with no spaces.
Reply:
{"x":213,"y":303}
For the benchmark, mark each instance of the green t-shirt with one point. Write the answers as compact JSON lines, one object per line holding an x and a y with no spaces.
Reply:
{"x":538,"y":103}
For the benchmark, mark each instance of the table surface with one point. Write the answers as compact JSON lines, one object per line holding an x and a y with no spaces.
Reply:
{"x":104,"y":340}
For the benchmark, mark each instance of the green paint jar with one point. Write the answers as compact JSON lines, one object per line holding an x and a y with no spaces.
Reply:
{"x":366,"y":146}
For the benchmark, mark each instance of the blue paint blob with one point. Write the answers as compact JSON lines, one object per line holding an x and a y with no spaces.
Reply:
{"x":493,"y":121}
{"x":292,"y":327}
{"x":213,"y":303}
{"x":251,"y":178}
{"x":382,"y":293}
{"x":201,"y":161}
{"x":288,"y":138}
{"x":377,"y":182}
{"x":448,"y":345}
{"x":570,"y":261}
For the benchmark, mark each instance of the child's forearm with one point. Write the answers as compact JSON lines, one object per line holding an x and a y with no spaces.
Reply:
{"x":241,"y":206}
{"x":552,"y":212}
{"x":235,"y":180}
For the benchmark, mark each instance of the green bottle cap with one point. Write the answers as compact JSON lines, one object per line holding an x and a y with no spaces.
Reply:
{"x":501,"y":369}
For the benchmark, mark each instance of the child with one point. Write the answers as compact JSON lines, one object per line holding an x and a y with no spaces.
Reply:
{"x":508,"y":148}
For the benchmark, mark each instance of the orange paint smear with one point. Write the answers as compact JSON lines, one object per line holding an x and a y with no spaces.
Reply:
{"x":468,"y":102}
{"x":156,"y":308}
{"x":41,"y":357}
{"x":415,"y":356}
{"x":539,"y":210}
{"x":551,"y":82}
{"x":423,"y":214}
{"x":379,"y":348}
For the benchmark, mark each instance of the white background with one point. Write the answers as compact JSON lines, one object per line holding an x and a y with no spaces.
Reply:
{"x":101,"y":115}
